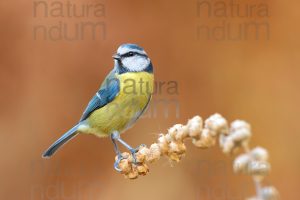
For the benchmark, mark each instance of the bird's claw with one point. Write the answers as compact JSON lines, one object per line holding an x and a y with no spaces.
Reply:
{"x":117,"y":162}
{"x":133,"y":151}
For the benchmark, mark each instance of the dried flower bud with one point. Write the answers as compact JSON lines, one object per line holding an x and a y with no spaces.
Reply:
{"x":178,"y":132}
{"x":154,"y":153}
{"x":217,"y":125}
{"x":227,"y":144}
{"x":222,"y":140}
{"x":241,"y":163}
{"x":133,"y":174}
{"x":254,"y":198}
{"x":239,"y":124}
{"x":125,"y":166}
{"x":168,"y":137}
{"x":240,"y":135}
{"x":269,"y":193}
{"x":195,"y":126}
{"x":173,"y":147}
{"x":125,"y":155}
{"x":142,"y":154}
{"x":240,"y":131}
{"x":174,"y":156}
{"x":142,"y":169}
{"x":258,"y":168}
{"x":259,"y":154}
{"x":206,"y":140}
{"x":182,"y":133}
{"x":163,"y":143}
{"x":177,"y":147}
{"x":173,"y":130}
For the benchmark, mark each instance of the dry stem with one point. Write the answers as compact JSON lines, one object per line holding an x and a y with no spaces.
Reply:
{"x":231,"y":139}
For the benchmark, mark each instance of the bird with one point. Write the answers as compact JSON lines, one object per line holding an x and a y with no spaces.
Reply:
{"x":123,"y":97}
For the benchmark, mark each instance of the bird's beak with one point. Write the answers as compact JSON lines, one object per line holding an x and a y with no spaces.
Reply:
{"x":117,"y":57}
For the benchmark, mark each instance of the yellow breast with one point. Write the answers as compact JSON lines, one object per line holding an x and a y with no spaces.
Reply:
{"x":135,"y":92}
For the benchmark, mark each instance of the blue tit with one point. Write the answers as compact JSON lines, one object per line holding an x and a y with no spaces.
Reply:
{"x":122,"y":98}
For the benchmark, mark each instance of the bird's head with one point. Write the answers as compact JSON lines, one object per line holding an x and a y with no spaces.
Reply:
{"x":132,"y":58}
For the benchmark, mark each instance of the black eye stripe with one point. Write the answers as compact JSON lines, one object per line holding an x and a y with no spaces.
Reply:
{"x":129,"y":54}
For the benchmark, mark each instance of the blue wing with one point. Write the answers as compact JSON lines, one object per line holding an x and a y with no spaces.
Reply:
{"x":108,"y":91}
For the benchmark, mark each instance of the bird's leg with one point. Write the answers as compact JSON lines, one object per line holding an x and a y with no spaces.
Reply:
{"x":113,"y":139}
{"x":116,"y":137}
{"x":116,"y":148}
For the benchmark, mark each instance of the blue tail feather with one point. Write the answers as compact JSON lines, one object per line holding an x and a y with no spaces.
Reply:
{"x":61,"y":141}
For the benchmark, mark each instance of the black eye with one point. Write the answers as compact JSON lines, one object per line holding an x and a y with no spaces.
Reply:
{"x":130,"y":54}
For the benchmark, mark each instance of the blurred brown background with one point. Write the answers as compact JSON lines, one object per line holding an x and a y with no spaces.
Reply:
{"x":46,"y":83}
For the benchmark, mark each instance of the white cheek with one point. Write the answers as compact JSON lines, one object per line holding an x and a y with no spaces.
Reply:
{"x":136,"y":63}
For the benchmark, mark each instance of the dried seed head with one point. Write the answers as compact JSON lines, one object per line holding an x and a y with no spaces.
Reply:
{"x":253,"y":163}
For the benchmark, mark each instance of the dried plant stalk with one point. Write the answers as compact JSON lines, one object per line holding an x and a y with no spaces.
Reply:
{"x":253,"y":162}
